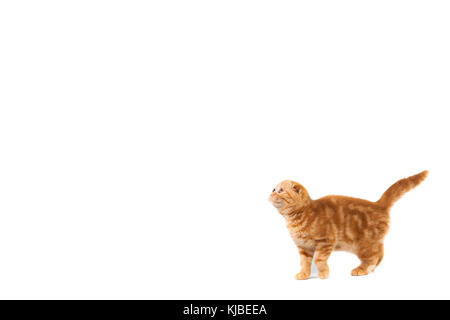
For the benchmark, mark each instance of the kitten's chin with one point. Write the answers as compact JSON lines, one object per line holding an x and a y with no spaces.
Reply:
{"x":276,"y":204}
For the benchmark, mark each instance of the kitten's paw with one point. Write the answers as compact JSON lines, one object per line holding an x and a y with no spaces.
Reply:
{"x":324,"y":274}
{"x":301,"y":276}
{"x":359,"y":272}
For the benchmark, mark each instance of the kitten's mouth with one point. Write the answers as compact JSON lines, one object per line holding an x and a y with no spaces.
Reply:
{"x":276,"y":203}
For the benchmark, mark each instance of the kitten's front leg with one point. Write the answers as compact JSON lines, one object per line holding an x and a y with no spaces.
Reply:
{"x":306,"y":257}
{"x":323,"y":252}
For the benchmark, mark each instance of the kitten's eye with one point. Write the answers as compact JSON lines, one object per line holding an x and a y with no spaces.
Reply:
{"x":273,"y":190}
{"x":281,"y":190}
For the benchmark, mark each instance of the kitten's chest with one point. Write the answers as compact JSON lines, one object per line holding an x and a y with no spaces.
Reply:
{"x":301,"y":239}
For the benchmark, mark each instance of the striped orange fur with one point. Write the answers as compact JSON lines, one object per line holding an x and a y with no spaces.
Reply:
{"x":337,"y":223}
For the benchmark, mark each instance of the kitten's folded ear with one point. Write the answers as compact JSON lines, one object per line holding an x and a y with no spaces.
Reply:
{"x":296,"y":187}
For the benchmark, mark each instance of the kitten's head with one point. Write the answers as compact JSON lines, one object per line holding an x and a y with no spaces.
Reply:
{"x":288,"y":196}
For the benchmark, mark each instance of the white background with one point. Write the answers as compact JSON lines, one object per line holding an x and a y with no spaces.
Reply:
{"x":139,"y":141}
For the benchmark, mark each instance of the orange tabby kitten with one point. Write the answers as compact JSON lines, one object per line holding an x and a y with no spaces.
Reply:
{"x":337,"y":223}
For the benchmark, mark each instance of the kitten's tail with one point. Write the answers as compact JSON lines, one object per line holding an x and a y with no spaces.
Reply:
{"x":399,"y":188}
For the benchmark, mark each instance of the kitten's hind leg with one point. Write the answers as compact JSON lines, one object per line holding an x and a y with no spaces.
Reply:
{"x":370,"y":257}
